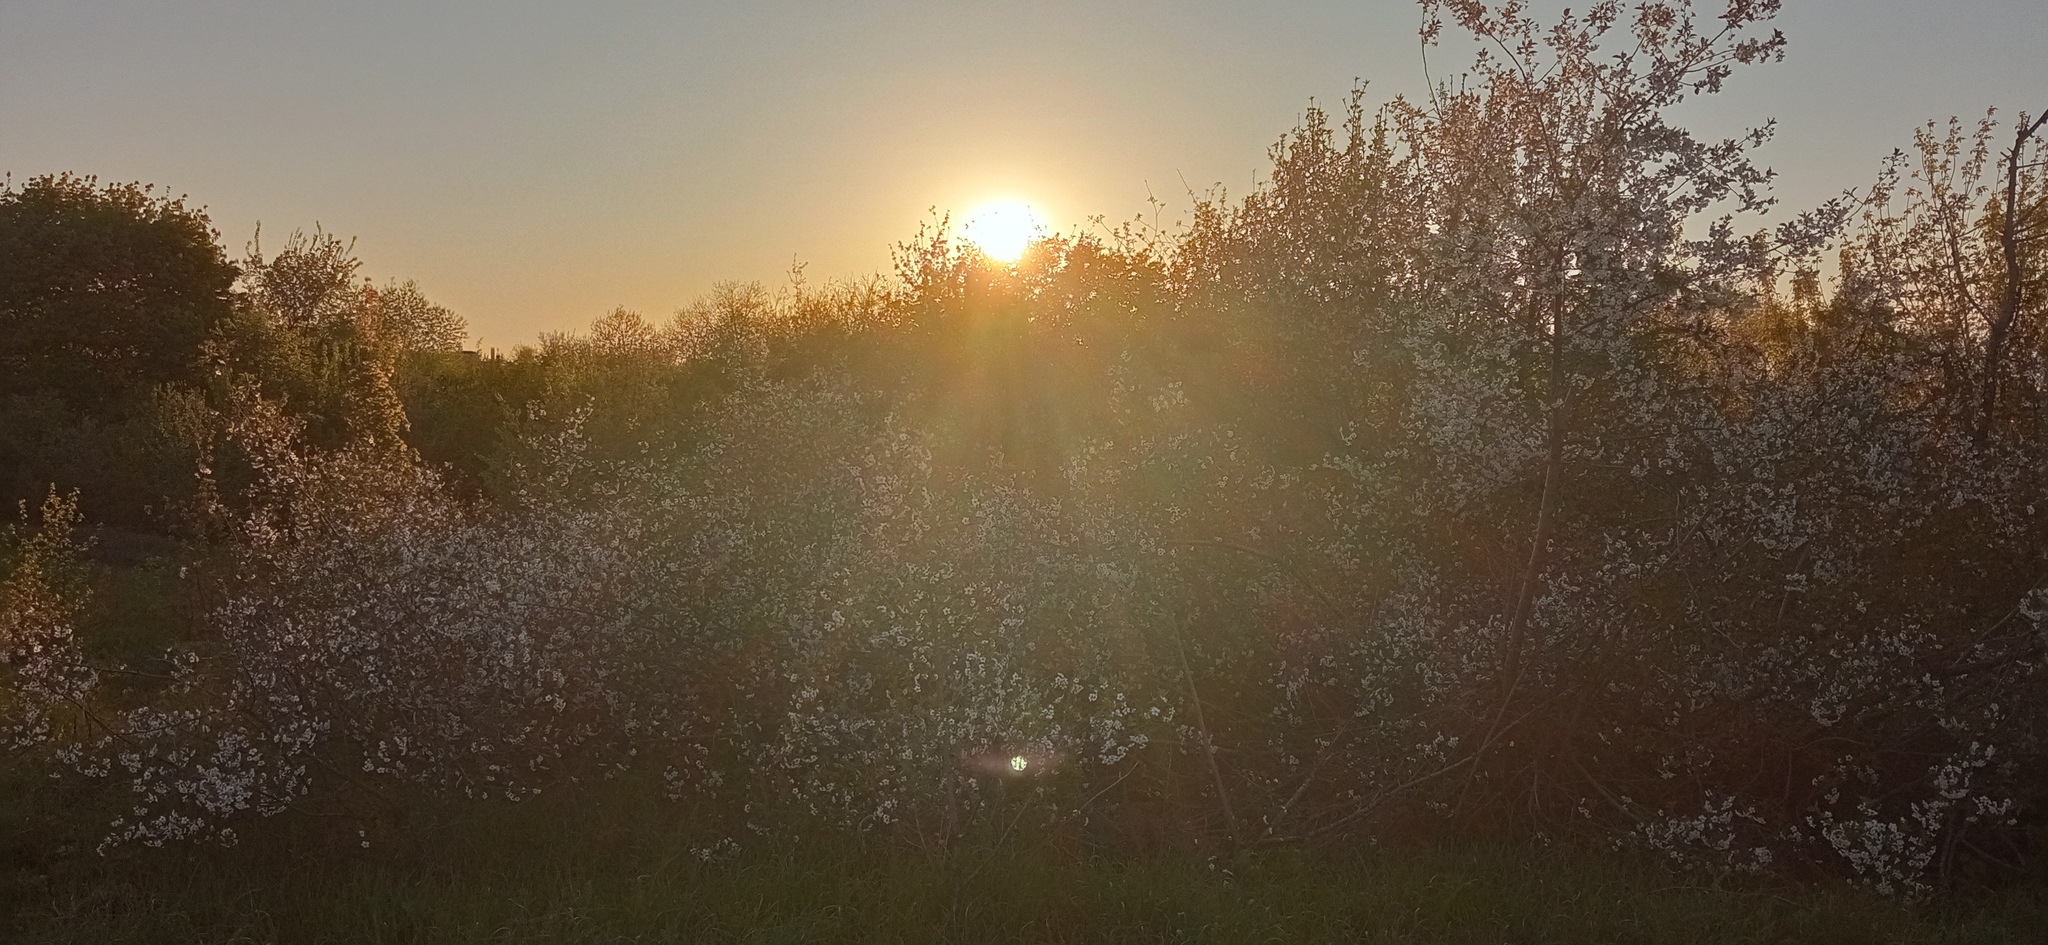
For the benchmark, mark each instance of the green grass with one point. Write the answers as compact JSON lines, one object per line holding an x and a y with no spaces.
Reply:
{"x":540,"y":875}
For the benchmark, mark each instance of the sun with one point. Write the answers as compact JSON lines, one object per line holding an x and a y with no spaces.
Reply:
{"x":1002,"y":229}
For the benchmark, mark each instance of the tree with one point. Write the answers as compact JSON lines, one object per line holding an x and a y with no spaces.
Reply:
{"x":105,"y":291}
{"x":328,"y":346}
{"x":309,"y":286}
{"x":108,"y":295}
{"x":406,"y":320}
{"x":1559,"y":195}
{"x":2013,"y":284}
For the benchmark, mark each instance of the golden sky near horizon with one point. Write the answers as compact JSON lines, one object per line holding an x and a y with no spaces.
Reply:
{"x":533,"y":165}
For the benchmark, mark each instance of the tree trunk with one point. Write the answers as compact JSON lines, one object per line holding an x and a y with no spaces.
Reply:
{"x":2009,"y":299}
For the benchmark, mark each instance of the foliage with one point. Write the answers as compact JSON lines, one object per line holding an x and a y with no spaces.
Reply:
{"x":1491,"y":470}
{"x":43,"y":677}
{"x":105,"y":292}
{"x":107,"y":297}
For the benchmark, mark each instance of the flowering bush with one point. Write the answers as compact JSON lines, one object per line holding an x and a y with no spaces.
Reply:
{"x":1464,"y":477}
{"x":43,"y":675}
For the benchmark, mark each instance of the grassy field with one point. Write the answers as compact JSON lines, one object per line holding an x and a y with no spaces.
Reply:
{"x":555,"y":875}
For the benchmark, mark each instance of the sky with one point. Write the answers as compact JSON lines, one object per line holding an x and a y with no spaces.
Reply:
{"x":534,"y":165}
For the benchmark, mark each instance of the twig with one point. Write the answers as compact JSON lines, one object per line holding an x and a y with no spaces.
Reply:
{"x":1208,"y":742}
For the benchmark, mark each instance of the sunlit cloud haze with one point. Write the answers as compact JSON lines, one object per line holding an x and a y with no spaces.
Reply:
{"x":533,"y":165}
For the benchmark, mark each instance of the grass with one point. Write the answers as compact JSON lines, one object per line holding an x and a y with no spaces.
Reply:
{"x":563,"y":875}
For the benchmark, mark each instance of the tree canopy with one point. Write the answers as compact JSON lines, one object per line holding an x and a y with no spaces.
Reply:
{"x":105,"y":291}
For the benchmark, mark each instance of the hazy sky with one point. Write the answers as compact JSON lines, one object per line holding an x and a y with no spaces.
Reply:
{"x":534,"y":164}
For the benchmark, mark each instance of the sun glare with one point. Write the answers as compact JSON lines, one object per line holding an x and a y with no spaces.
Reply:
{"x":1003,"y":229}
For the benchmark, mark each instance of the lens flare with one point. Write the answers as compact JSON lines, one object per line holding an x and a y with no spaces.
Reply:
{"x":1003,"y":229}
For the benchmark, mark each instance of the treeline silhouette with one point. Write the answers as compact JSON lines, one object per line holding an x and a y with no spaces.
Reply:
{"x":1496,"y":467}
